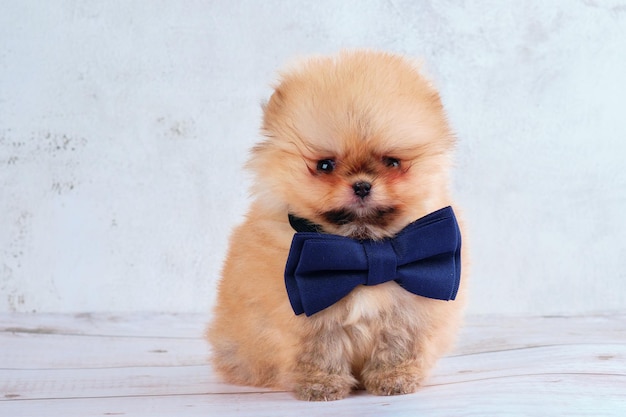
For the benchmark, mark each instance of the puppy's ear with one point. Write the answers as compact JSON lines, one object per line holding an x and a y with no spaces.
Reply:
{"x":277,"y":97}
{"x":269,"y":108}
{"x":275,"y":122}
{"x":274,"y":105}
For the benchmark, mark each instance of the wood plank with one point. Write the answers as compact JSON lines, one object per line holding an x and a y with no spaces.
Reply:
{"x":104,"y":324}
{"x":54,"y":351}
{"x":113,"y":382}
{"x":492,"y":333}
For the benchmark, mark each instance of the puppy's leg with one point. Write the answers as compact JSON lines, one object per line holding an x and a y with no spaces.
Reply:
{"x":322,"y":371}
{"x":396,"y":365}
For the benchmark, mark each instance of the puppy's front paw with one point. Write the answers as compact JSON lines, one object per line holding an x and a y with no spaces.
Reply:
{"x":396,"y":381}
{"x":324,"y":388}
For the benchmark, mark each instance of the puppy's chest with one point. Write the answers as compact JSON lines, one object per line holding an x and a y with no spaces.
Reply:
{"x":374,"y":313}
{"x":366,"y":304}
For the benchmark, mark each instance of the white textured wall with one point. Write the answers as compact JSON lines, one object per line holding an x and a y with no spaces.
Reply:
{"x":124,"y":125}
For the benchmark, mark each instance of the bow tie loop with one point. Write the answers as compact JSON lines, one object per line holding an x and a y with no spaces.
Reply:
{"x":424,"y":258}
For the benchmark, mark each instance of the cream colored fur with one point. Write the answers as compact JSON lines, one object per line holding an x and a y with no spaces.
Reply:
{"x":358,"y":108}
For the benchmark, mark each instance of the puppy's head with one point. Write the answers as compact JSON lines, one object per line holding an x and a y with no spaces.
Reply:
{"x":357,"y":143}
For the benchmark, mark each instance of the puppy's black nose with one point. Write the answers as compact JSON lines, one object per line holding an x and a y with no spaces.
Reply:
{"x":361,"y":188}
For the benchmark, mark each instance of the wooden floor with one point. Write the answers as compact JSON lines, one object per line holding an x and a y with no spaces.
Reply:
{"x":156,"y":365}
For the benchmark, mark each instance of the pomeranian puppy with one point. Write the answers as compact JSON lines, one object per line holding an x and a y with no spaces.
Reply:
{"x":357,"y":147}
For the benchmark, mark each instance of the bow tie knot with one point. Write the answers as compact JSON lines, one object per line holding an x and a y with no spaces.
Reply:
{"x":381,"y":261}
{"x":424,"y":258}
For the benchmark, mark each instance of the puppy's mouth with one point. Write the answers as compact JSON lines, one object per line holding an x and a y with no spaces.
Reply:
{"x":379,"y":216}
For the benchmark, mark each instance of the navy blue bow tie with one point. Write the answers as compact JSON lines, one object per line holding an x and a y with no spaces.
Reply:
{"x":424,"y":258}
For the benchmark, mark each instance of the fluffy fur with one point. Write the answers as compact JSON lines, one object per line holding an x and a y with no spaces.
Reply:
{"x":375,"y":119}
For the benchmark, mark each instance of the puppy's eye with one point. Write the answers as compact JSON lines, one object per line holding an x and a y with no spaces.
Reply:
{"x":325,"y":165}
{"x":391,"y":162}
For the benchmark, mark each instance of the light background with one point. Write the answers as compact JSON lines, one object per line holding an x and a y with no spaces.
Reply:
{"x":124,"y":126}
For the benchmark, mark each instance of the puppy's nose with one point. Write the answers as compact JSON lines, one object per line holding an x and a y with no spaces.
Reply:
{"x":362,"y":188}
